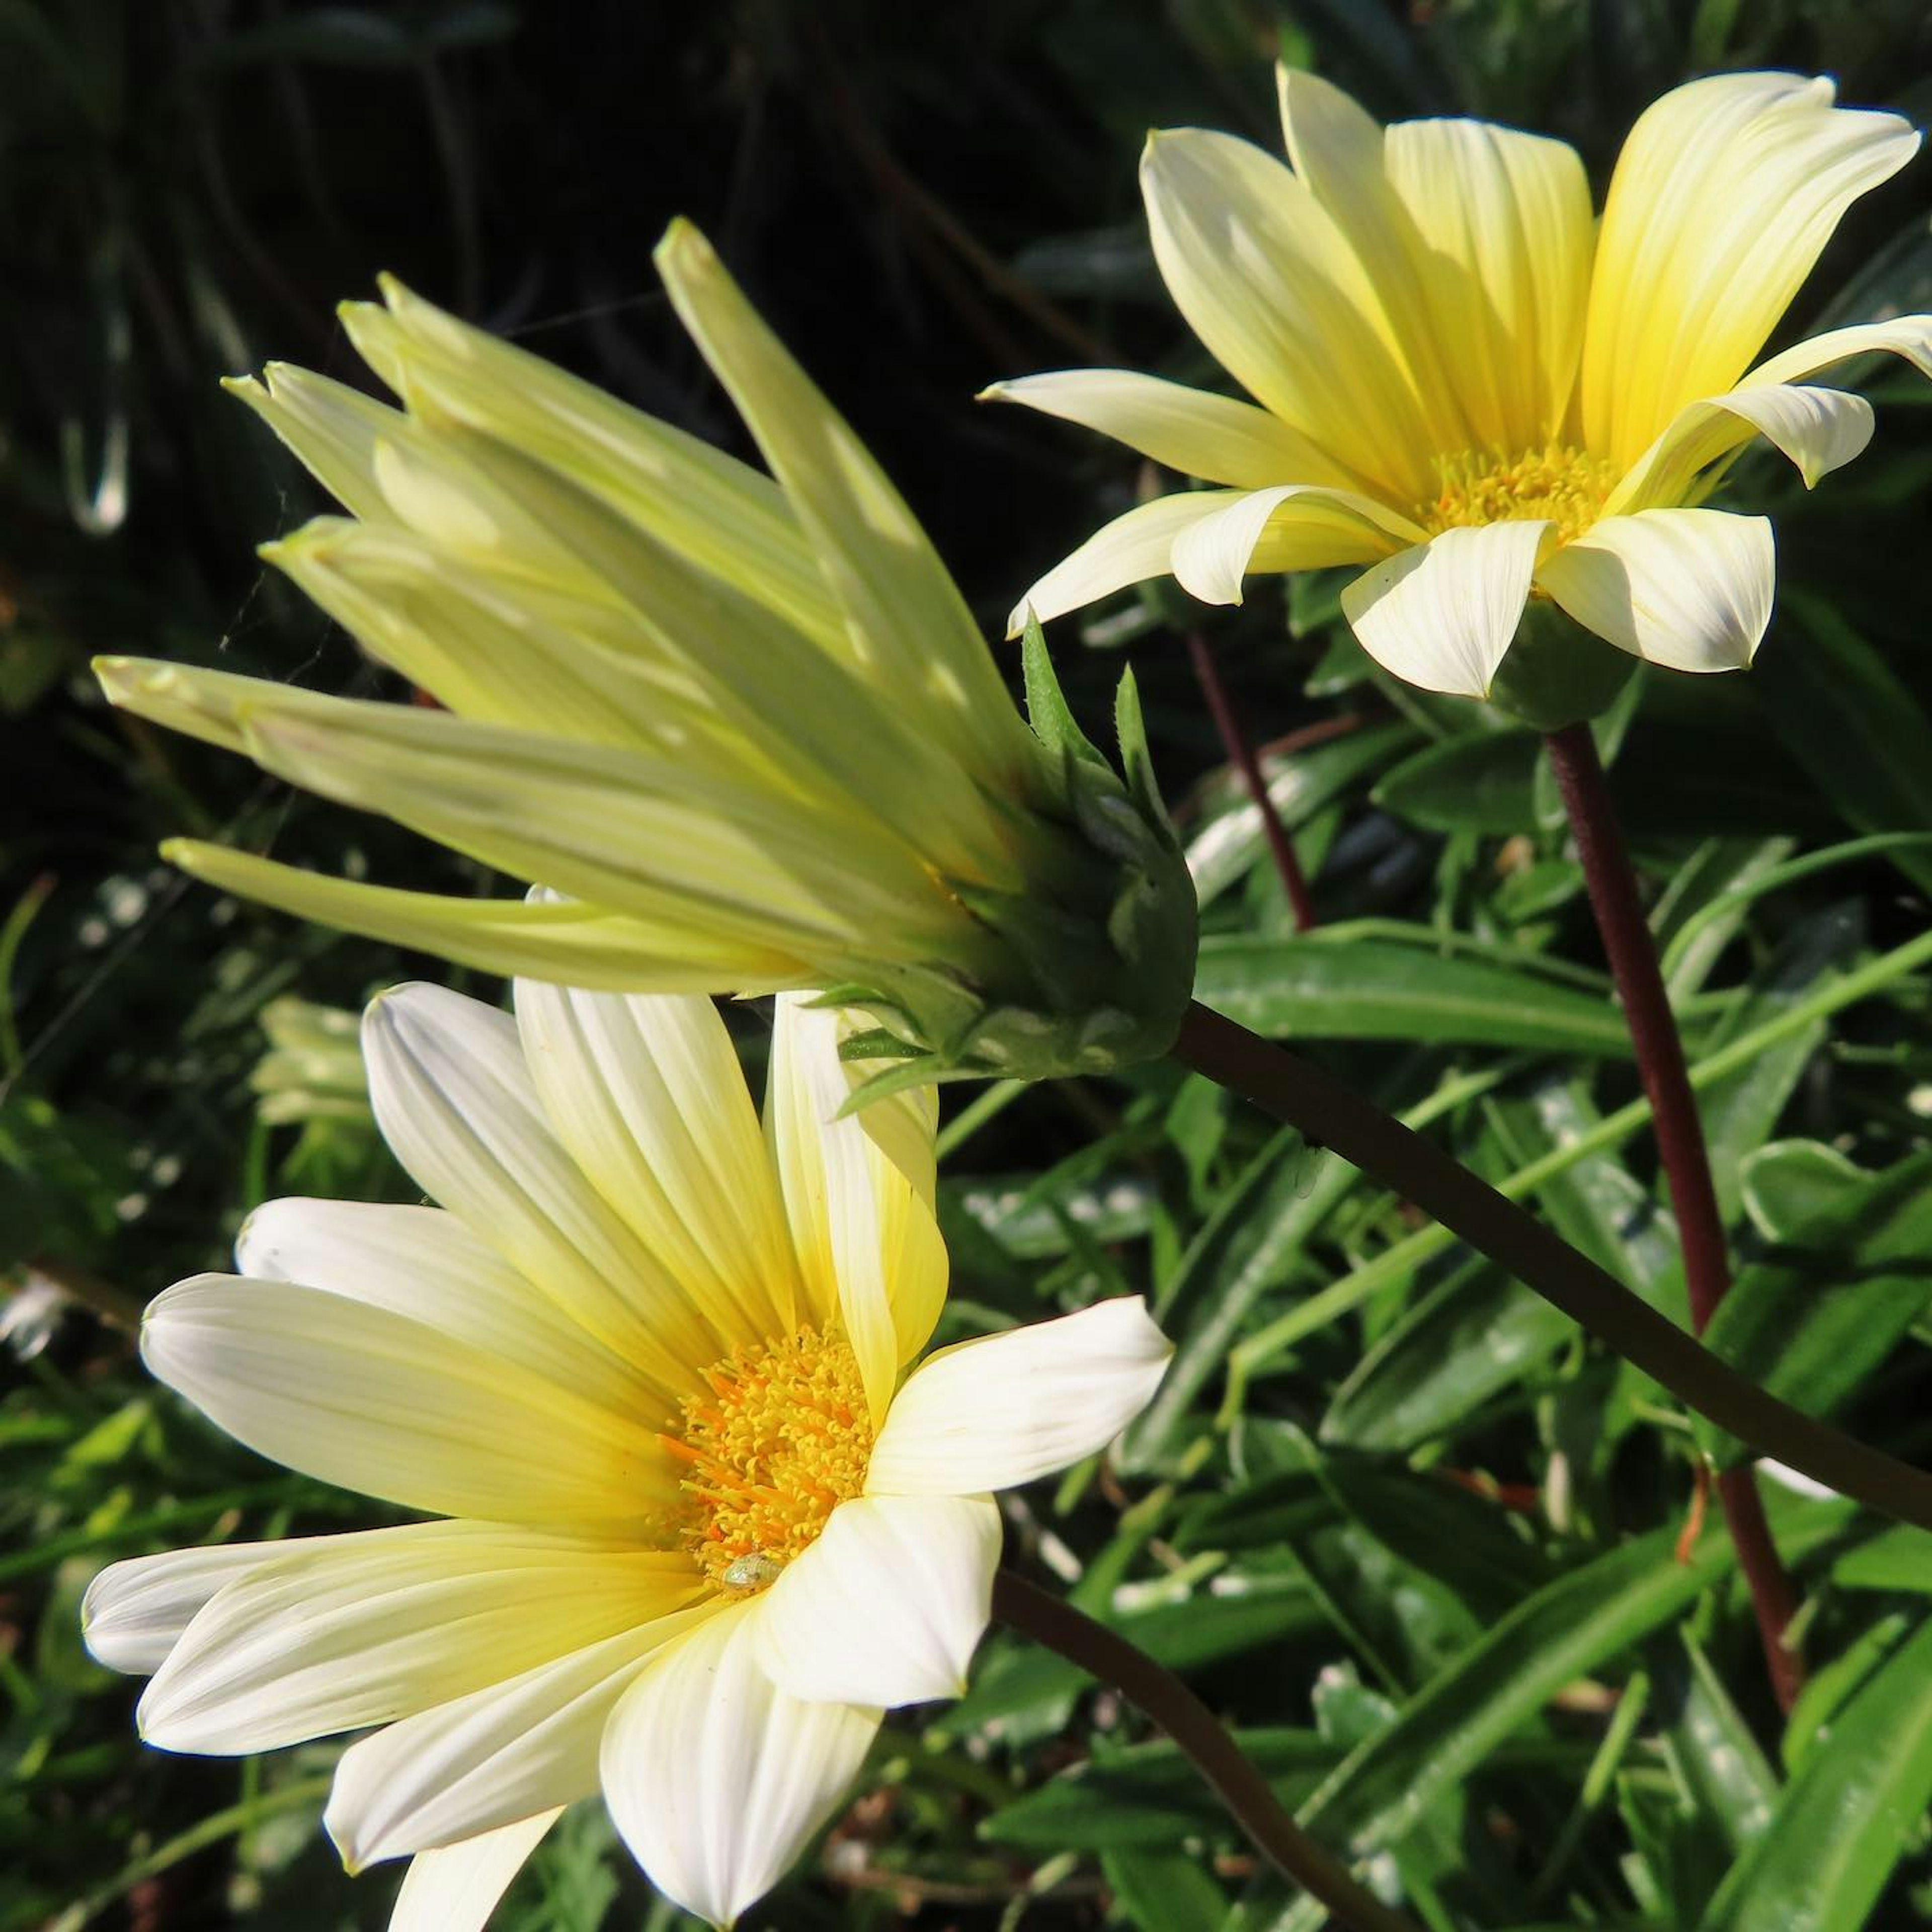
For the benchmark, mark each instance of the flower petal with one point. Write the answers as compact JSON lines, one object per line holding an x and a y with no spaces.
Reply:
{"x":1819,"y":429}
{"x":988,"y":1413}
{"x":1199,"y":434}
{"x":1131,"y":549}
{"x":554,"y":938}
{"x":866,"y":1242}
{"x":718,"y":1779}
{"x":1442,"y":615}
{"x":453,"y":1095}
{"x":647,"y":1095}
{"x":1691,"y":589}
{"x":1291,"y":527}
{"x":345,"y":1632}
{"x":456,"y":1888}
{"x":490,"y":1759}
{"x":887,"y":1606}
{"x":363,"y":1397}
{"x":1506,"y":232}
{"x":708,"y":506}
{"x":912,"y":635}
{"x":1725,"y":193}
{"x":1266,"y":280}
{"x":424,"y":1263}
{"x":135,"y":1610}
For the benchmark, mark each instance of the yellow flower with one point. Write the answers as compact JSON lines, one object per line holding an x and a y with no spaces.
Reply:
{"x":1465,"y":385}
{"x":740,"y":727}
{"x":650,"y":1364}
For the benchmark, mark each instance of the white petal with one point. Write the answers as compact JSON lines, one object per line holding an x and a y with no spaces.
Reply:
{"x":490,"y":1759}
{"x":454,"y":1099}
{"x":988,"y":1413}
{"x":1292,"y":527}
{"x":646,"y":1094}
{"x":425,"y":1264}
{"x":1723,"y":197}
{"x":888,"y":1605}
{"x":1212,"y":437}
{"x":357,"y":1396}
{"x":1268,"y":283}
{"x":1131,"y":549}
{"x":1442,"y":615}
{"x":135,"y":1609}
{"x":867,"y":1244}
{"x":1691,"y":589}
{"x":341,"y":1633}
{"x":456,"y":1888}
{"x":718,"y":1780}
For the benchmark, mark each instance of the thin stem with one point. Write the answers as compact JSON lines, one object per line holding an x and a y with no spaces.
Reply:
{"x":1234,"y":740}
{"x":1333,"y":1115}
{"x":1195,"y":1728}
{"x":1685,"y":1159}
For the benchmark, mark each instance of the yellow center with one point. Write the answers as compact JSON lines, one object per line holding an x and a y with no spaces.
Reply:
{"x":1481,"y":486}
{"x":778,"y":1440}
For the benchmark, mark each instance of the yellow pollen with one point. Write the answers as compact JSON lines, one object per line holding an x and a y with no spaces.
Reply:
{"x":777,"y":1438}
{"x":1482,"y":486}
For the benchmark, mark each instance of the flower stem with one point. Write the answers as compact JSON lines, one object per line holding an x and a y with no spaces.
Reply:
{"x":1221,"y":708}
{"x":1332,"y":1115}
{"x":1685,"y":1160}
{"x":1195,"y":1728}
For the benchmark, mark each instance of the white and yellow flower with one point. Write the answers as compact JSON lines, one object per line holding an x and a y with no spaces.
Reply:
{"x":1466,"y":385}
{"x":649,"y":1365}
{"x":741,"y":728}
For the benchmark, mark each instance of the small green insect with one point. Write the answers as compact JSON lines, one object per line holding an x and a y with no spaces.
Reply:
{"x":753,"y":1572}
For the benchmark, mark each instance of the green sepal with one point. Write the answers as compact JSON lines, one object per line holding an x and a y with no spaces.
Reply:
{"x":1135,"y":760}
{"x":1053,"y":723}
{"x":1556,"y":672}
{"x":878,"y":1043}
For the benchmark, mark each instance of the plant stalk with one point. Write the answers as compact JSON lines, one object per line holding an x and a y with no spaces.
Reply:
{"x":1682,"y":1152}
{"x":1333,"y":1115}
{"x":1241,"y":754}
{"x":1198,"y":1733}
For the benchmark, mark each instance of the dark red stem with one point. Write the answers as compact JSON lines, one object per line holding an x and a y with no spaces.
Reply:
{"x":1240,"y":754}
{"x":1686,"y":1162}
{"x":1205,"y":1740}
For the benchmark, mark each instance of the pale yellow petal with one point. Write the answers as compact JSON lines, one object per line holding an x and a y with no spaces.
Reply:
{"x":1691,"y":589}
{"x":1287,"y":528}
{"x":340,"y":1634}
{"x":717,"y":1778}
{"x":910,"y":630}
{"x":1505,"y":224}
{"x":456,"y":1888}
{"x":1131,"y":549}
{"x":1213,"y":437}
{"x":1725,"y":194}
{"x":1267,"y":282}
{"x":1442,"y":615}
{"x":647,"y":1095}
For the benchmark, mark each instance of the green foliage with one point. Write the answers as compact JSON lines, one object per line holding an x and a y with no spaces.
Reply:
{"x":1397,"y":1522}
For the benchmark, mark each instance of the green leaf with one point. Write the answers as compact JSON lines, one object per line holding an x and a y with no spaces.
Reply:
{"x":1787,"y":1181}
{"x":1847,"y":1816}
{"x":1898,"y":1558}
{"x":1164,"y":1891}
{"x":1845,"y":715}
{"x":1481,"y":782}
{"x":1309,"y":988}
{"x":1814,"y":1320}
{"x":1570,"y":1627}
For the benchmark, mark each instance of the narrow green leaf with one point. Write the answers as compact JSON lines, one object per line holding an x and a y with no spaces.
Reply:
{"x":1309,"y":989}
{"x":1847,"y":1816}
{"x":1481,"y":782}
{"x":1164,"y":1891}
{"x":1816,"y":1319}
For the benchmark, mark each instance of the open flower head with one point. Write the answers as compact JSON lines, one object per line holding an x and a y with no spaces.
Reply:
{"x":648,"y":1365}
{"x":740,"y":728}
{"x":1461,"y":381}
